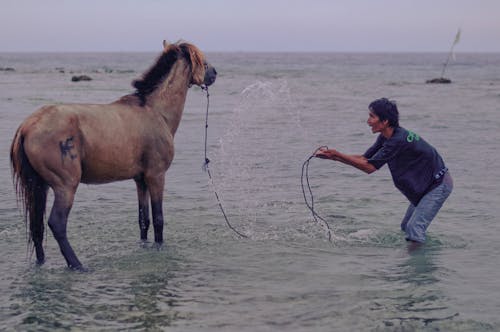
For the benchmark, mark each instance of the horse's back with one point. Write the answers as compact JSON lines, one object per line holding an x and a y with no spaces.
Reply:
{"x":94,"y":143}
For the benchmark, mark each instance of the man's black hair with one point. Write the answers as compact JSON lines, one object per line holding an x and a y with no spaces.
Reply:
{"x":386,"y":109}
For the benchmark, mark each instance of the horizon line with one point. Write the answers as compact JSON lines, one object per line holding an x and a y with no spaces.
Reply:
{"x":252,"y":51}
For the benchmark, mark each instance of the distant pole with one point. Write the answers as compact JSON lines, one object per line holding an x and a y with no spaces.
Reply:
{"x":450,"y":54}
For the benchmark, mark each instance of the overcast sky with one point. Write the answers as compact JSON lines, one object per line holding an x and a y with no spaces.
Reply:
{"x":251,"y":25}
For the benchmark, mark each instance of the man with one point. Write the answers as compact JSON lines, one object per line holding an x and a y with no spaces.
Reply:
{"x":417,"y":169}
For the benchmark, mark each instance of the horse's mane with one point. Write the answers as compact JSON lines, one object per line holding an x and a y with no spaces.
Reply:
{"x":152,"y":78}
{"x":158,"y":72}
{"x":155,"y":76}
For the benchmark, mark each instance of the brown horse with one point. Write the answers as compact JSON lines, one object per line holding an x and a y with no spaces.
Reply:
{"x":60,"y":146}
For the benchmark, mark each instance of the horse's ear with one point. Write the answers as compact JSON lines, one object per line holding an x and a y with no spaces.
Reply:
{"x":165,"y":44}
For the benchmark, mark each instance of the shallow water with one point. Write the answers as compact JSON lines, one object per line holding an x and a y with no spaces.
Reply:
{"x":268,"y":113}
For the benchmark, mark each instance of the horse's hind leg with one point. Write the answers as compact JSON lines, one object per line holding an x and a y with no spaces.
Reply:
{"x":143,"y":199}
{"x":63,"y":201}
{"x":155,"y":187}
{"x":36,"y":221}
{"x":37,"y":230}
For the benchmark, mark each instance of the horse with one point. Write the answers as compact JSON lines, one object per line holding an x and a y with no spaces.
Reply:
{"x":60,"y":146}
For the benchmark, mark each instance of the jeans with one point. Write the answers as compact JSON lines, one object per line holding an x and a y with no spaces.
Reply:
{"x":418,"y":218}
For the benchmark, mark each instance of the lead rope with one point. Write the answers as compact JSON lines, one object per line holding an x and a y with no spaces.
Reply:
{"x":207,"y":169}
{"x":310,"y":203}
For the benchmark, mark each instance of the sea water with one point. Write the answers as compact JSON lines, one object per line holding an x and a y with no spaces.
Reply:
{"x":267,"y":113}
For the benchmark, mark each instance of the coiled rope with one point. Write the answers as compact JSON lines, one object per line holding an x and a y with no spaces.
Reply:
{"x":207,"y":169}
{"x":310,"y":203}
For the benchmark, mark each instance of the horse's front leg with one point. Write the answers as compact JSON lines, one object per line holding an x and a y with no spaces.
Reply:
{"x":143,"y":199}
{"x":155,"y":187}
{"x":63,"y":201}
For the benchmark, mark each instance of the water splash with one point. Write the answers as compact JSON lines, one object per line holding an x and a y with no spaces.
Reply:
{"x":249,"y":174}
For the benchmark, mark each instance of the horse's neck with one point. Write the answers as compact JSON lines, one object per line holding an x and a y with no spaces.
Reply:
{"x":170,"y":97}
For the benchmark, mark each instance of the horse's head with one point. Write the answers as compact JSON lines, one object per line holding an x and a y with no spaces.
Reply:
{"x":210,"y":74}
{"x":202,"y":73}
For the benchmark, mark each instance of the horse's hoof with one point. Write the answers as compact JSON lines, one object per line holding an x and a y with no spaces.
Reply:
{"x":158,"y":246}
{"x":40,"y":262}
{"x":80,"y":268}
{"x":144,"y":244}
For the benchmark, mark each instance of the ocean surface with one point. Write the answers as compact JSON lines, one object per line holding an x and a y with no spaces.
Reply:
{"x":268,"y":112}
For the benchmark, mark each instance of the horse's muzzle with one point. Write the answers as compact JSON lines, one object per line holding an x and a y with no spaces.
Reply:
{"x":210,"y":75}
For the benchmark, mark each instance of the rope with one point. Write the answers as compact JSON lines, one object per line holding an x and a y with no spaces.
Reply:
{"x":305,"y":174}
{"x":310,"y":202}
{"x":207,"y":169}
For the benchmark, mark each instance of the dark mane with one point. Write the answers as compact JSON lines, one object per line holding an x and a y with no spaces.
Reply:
{"x":156,"y":74}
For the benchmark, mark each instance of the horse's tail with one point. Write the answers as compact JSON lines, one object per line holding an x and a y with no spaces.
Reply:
{"x":31,"y":188}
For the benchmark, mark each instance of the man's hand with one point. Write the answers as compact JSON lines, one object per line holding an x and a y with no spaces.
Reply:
{"x":325,"y":153}
{"x":358,"y":161}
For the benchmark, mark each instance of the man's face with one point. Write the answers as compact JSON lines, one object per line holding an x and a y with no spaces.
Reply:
{"x":375,"y":123}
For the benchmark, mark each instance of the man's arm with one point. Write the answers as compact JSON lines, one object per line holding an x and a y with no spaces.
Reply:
{"x":358,"y":161}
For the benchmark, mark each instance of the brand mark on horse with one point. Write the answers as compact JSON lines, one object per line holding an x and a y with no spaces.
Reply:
{"x":66,"y":148}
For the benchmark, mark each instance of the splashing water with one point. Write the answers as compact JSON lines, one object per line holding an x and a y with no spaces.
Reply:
{"x":244,"y":168}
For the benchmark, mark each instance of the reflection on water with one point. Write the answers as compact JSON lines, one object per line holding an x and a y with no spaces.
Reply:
{"x":129,"y":293}
{"x":417,"y":303}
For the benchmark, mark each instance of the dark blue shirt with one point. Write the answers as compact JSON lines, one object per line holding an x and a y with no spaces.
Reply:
{"x":416,"y":167}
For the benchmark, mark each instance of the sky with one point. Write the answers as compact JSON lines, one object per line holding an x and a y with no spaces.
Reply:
{"x":250,"y":26}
